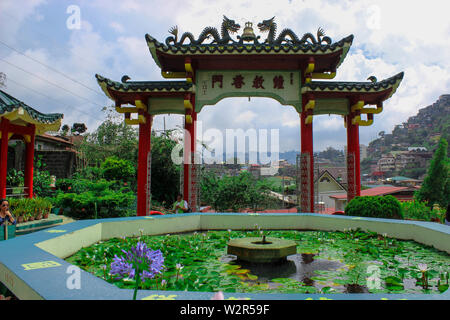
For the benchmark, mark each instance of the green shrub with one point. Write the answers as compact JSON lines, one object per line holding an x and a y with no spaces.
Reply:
{"x":118,"y":169}
{"x":97,"y":203}
{"x":375,"y":207}
{"x":419,"y":210}
{"x":14,"y":178}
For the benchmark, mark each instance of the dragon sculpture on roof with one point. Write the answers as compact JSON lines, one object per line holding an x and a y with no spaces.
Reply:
{"x":308,"y":38}
{"x":228,"y":26}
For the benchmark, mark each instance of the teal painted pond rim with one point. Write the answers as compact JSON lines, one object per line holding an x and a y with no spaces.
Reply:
{"x":27,"y":275}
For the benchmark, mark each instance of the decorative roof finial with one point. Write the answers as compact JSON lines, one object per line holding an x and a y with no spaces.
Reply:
{"x":248,"y":34}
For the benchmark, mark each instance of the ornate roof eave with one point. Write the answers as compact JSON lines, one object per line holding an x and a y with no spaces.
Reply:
{"x":143,"y":86}
{"x":391,"y":84}
{"x":17,"y":111}
{"x":156,"y":47}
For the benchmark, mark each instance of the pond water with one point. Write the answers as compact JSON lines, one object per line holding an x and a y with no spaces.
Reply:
{"x":326,"y":262}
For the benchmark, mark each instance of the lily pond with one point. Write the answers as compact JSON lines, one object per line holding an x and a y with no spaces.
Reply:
{"x":353,"y":261}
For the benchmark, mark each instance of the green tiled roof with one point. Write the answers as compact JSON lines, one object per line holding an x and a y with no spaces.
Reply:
{"x":237,"y":48}
{"x":8,"y":104}
{"x":336,"y":86}
{"x":145,"y":86}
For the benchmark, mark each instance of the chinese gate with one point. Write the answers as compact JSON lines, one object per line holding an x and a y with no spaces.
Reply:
{"x":283,"y":67}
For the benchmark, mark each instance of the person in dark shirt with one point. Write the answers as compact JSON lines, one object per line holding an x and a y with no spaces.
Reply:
{"x":5,"y":214}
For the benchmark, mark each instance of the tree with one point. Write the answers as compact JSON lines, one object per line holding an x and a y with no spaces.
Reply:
{"x":435,"y":183}
{"x":165,"y":173}
{"x":64,"y":130}
{"x":112,"y":138}
{"x":233,"y":192}
{"x":78,"y":128}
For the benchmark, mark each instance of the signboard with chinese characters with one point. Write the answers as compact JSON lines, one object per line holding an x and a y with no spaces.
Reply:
{"x":213,"y":86}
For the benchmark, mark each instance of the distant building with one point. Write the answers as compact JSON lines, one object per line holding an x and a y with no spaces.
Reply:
{"x":386,"y":163}
{"x":328,"y":186}
{"x":57,"y":155}
{"x":417,"y":149}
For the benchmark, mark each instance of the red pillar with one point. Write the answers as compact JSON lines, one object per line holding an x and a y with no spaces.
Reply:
{"x":189,"y":169}
{"x":144,"y":166}
{"x":353,"y":160}
{"x":306,"y":165}
{"x":29,"y":163}
{"x":186,"y":159}
{"x":193,"y":170}
{"x":4,"y":124}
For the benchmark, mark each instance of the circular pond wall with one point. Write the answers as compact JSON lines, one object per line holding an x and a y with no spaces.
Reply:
{"x":32,"y":266}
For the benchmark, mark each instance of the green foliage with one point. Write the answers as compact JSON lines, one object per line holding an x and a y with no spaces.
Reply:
{"x":99,"y":202}
{"x":375,"y":207}
{"x":85,"y":199}
{"x":233,"y":192}
{"x":165,"y":173}
{"x":114,"y":168}
{"x":41,"y":180}
{"x":30,"y":207}
{"x":416,"y":210}
{"x":435,"y":183}
{"x":112,"y":138}
{"x":14,"y":178}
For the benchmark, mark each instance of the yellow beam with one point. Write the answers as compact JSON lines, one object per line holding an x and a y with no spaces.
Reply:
{"x":310,"y":105}
{"x":131,"y":121}
{"x":323,"y":75}
{"x":310,"y":68}
{"x":188,"y":119}
{"x":140,"y":105}
{"x":372,"y":110}
{"x":188,"y":105}
{"x":27,"y":138}
{"x":309,"y":119}
{"x":188,"y":67}
{"x":357,"y":120}
{"x":357,"y":106}
{"x":173,"y":75}
{"x":125,"y":110}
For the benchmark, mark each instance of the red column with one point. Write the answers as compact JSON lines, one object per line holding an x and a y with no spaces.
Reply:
{"x":306,"y":165}
{"x":186,"y":159}
{"x":353,"y":160}
{"x":29,"y":163}
{"x":144,"y":166}
{"x":4,"y":124}
{"x":193,"y":166}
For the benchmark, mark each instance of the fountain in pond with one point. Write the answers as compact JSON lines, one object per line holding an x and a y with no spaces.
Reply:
{"x":265,"y":250}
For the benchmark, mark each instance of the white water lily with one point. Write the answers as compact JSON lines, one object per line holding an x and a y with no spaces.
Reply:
{"x":179,"y":266}
{"x":422,"y":267}
{"x":384,"y":235}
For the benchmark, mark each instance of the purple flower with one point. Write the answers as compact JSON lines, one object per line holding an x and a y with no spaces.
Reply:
{"x":139,"y":259}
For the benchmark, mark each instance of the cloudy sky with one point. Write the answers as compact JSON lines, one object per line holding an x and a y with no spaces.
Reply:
{"x":51,"y":66}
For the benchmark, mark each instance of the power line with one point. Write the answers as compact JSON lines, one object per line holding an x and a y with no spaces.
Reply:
{"x":43,"y":79}
{"x":51,"y":68}
{"x":15,"y":18}
{"x":48,"y":97}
